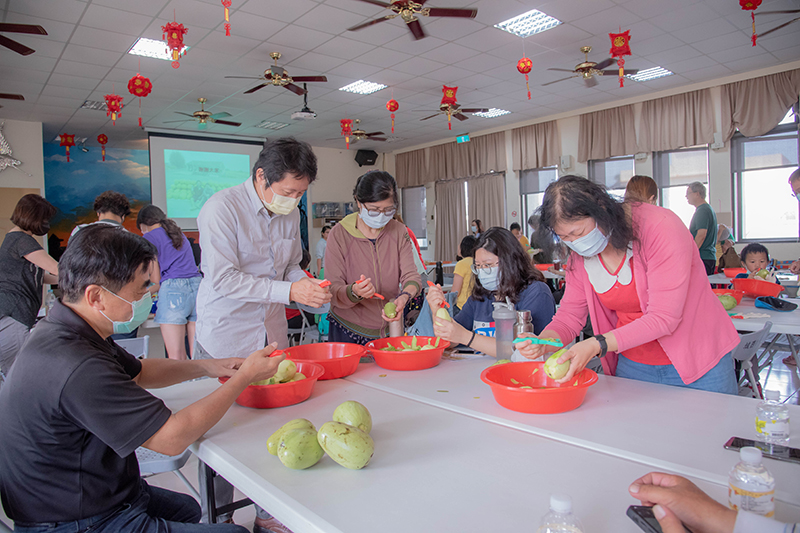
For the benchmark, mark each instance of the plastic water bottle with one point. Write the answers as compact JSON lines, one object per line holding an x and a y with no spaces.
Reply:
{"x":504,"y":317}
{"x":560,"y":518}
{"x":49,"y":301}
{"x":750,"y":486}
{"x":772,"y":419}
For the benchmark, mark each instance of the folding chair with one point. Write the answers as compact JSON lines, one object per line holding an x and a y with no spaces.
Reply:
{"x":4,"y":528}
{"x":308,"y":331}
{"x":152,"y":463}
{"x":746,"y":353}
{"x":138,"y":347}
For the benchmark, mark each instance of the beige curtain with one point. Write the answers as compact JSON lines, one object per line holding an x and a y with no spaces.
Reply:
{"x":758,"y":105}
{"x":536,"y":146}
{"x":677,"y":121}
{"x":487,"y":200}
{"x":607,"y":133}
{"x":411,"y":169}
{"x":451,"y":219}
{"x":479,"y":156}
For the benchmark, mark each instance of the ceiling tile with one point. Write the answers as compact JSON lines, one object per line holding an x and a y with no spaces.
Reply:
{"x":647,"y":9}
{"x":571,"y":10}
{"x":103,"y":39}
{"x":54,"y":90}
{"x":788,"y":37}
{"x":655,"y":45}
{"x":451,"y":29}
{"x":382,"y":57}
{"x":381,"y":34}
{"x":95,"y":56}
{"x":69,"y":11}
{"x":313,"y":64}
{"x":418,"y":66}
{"x":31,"y":62}
{"x":787,"y":54}
{"x":253,"y":26}
{"x":97,"y":16}
{"x":707,"y":30}
{"x":486,"y":39}
{"x":342,"y":47}
{"x":679,"y":67}
{"x":736,"y":53}
{"x":329,"y":19}
{"x":450,"y":53}
{"x":153,"y":8}
{"x":299,"y":37}
{"x":666,"y":57}
{"x":708,"y":73}
{"x":192,"y":14}
{"x":85,"y":70}
{"x":279,"y":9}
{"x":357,"y":71}
{"x":612,"y":18}
{"x":44,"y":46}
{"x":676,"y":18}
{"x":233,"y":46}
{"x":561,"y":36}
{"x":750,"y":63}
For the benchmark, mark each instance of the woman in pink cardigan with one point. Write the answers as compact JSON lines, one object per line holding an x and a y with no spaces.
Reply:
{"x":636,"y":271}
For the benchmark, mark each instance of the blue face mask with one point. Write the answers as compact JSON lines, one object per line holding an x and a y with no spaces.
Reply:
{"x":489,"y":278}
{"x":140,"y":310}
{"x":590,"y":244}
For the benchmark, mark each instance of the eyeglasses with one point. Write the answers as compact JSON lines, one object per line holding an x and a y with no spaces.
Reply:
{"x":489,"y":269}
{"x":388,"y":211}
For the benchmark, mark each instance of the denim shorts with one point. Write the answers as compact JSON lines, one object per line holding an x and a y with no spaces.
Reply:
{"x":176,"y":301}
{"x":721,"y":378}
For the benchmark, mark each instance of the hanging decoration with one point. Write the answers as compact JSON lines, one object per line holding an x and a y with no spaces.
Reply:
{"x":227,"y":5}
{"x":140,"y":87}
{"x":173,"y":33}
{"x":751,"y":6}
{"x":103,"y":140}
{"x":524,"y":66}
{"x":620,"y":46}
{"x":392,"y":106}
{"x":114,"y":105}
{"x":448,"y":99}
{"x":347,"y":129}
{"x":67,"y":141}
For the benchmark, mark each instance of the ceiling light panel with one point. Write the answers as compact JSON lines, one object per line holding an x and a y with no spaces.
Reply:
{"x":650,"y":74}
{"x":94,"y":104}
{"x":267,"y":125}
{"x":152,"y":48}
{"x":492,"y":113}
{"x":529,"y":23}
{"x":363,"y":87}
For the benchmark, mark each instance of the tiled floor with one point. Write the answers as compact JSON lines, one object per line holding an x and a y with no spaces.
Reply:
{"x":783,"y":378}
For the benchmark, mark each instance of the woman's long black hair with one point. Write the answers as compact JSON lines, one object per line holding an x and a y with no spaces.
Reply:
{"x":516,"y":270}
{"x":573,"y":198}
{"x":151,"y":215}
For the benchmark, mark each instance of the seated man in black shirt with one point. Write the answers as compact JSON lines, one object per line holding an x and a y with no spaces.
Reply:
{"x":74,"y":408}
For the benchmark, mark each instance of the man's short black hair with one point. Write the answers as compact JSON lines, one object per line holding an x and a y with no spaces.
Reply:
{"x":103,"y":255}
{"x":283,"y":155}
{"x":112,"y":202}
{"x":513,"y":226}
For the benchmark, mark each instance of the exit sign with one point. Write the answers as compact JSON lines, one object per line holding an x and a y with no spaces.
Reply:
{"x":463,"y":138}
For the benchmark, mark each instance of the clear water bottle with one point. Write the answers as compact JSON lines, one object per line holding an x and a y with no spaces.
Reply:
{"x":49,"y":301}
{"x":504,"y":317}
{"x":772,"y":419}
{"x":751,"y":487}
{"x":560,"y":518}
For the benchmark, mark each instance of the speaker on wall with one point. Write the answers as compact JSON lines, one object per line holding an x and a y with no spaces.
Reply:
{"x":366,"y":157}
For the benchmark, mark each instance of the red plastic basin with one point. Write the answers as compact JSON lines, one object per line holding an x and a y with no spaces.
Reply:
{"x":546,"y":396}
{"x":733,"y":272}
{"x":733,"y":292}
{"x":756,"y":287}
{"x":339,"y":359}
{"x":408,"y":359}
{"x":281,"y":394}
{"x":543,"y":266}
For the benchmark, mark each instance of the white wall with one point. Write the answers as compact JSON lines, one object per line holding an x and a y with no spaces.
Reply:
{"x":25,"y":139}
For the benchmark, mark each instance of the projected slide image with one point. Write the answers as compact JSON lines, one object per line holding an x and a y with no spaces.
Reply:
{"x":192,"y":177}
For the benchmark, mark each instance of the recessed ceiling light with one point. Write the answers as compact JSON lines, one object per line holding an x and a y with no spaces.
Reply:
{"x":529,"y":23}
{"x":492,"y":113}
{"x":94,"y":104}
{"x":650,"y":74}
{"x":363,"y":87}
{"x":152,"y":48}
{"x":267,"y":125}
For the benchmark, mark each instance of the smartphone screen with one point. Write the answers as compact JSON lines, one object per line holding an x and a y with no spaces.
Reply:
{"x":774,"y":451}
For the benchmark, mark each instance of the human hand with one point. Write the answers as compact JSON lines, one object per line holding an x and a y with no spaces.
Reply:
{"x":399,"y":305}
{"x":533,"y":351}
{"x":450,"y":330}
{"x":435,"y":297}
{"x":795,"y":267}
{"x":364,"y":288}
{"x":678,"y":501}
{"x":308,"y":292}
{"x":260,"y":366}
{"x":579,"y":356}
{"x":221,"y":368}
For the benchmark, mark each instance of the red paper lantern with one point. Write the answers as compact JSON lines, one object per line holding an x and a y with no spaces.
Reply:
{"x":347,"y":129}
{"x":114,"y":105}
{"x":448,"y":99}
{"x":227,"y":5}
{"x":524,"y":66}
{"x":173,"y":33}
{"x":620,"y":46}
{"x":392,"y":106}
{"x":67,"y":141}
{"x":103,"y":140}
{"x":751,"y":6}
{"x":140,"y":87}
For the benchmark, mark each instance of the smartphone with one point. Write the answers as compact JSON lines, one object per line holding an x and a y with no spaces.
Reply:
{"x":644,"y":518}
{"x":773,"y":451}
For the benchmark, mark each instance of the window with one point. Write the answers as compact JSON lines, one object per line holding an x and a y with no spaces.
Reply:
{"x":532,"y":184}
{"x":414,"y":209}
{"x":675,"y":169}
{"x":765,"y":209}
{"x":613,"y":173}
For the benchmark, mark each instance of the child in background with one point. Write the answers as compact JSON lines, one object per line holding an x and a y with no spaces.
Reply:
{"x":462,"y":275}
{"x":729,"y":257}
{"x":756,"y":260}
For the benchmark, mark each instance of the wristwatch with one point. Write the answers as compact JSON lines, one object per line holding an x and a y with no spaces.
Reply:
{"x":603,"y":344}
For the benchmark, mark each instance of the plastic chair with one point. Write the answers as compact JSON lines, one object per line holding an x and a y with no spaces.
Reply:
{"x":4,"y":528}
{"x":746,"y":353}
{"x":152,"y":463}
{"x":138,"y":347}
{"x":306,"y":331}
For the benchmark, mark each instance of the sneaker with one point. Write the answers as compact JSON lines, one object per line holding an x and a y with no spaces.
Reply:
{"x":272,"y":526}
{"x":789,"y":361}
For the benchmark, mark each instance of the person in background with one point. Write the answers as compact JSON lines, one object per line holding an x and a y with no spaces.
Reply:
{"x":642,"y":189}
{"x":755,"y":258}
{"x":516,"y":231}
{"x":729,"y":259}
{"x":723,"y":234}
{"x":703,"y":225}
{"x":111,"y":207}
{"x":369,"y":252}
{"x":175,"y":278}
{"x":463,"y":279}
{"x":75,"y":409}
{"x":320,"y":253}
{"x":421,"y":263}
{"x":24,"y":268}
{"x":250,"y":236}
{"x":635,"y":270}
{"x":676,"y":502}
{"x":794,"y":183}
{"x":476,"y":228}
{"x":502,"y":270}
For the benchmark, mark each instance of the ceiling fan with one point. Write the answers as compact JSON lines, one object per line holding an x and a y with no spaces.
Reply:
{"x":589,"y":69}
{"x":788,"y":12}
{"x":360,"y":135}
{"x":456,"y":111}
{"x":204,"y":117}
{"x":409,"y":11}
{"x":19,"y":28}
{"x":9,"y":96}
{"x":278,"y":76}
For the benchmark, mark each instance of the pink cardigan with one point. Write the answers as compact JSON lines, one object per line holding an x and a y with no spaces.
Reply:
{"x":680,"y":311}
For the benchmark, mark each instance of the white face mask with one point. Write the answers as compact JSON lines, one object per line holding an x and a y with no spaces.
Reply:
{"x":489,"y":278}
{"x":590,"y":244}
{"x":281,"y":205}
{"x":376,"y":221}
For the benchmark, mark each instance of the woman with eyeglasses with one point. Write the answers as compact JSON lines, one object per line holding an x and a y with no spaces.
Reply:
{"x":369,"y":254}
{"x":635,"y":270}
{"x":501,"y":270}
